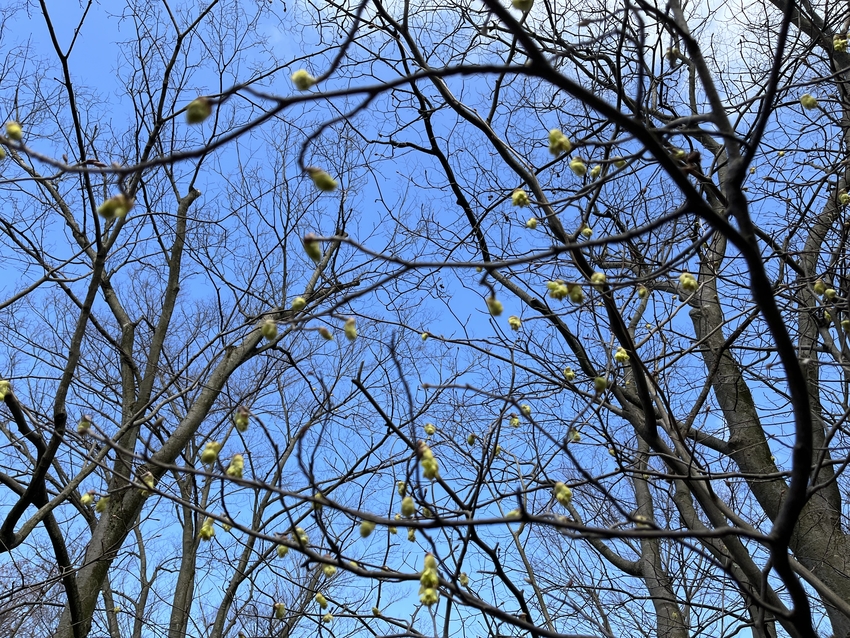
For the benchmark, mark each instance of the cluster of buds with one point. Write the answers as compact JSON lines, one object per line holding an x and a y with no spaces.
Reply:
{"x":514,"y":420}
{"x":236,"y":466}
{"x":116,"y":206}
{"x":282,"y":550}
{"x":560,"y":290}
{"x":430,"y":429}
{"x":525,"y":409}
{"x":578,"y":166}
{"x":844,"y":197}
{"x":241,"y":418}
{"x":463,"y":579}
{"x":531,"y":224}
{"x":321,"y":600}
{"x":514,"y":322}
{"x":198,"y":110}
{"x":563,"y":494}
{"x":520,"y":198}
{"x":688,"y":282}
{"x":573,"y":435}
{"x":429,"y":580}
{"x":494,"y":306}
{"x":621,"y":356}
{"x":350,"y":329}
{"x":207,"y":530}
{"x":558,"y":142}
{"x":302,"y":80}
{"x":839,"y":42}
{"x":321,"y":179}
{"x":430,"y":469}
{"x":329,"y":569}
{"x":569,"y":373}
{"x":301,"y":536}
{"x":210,"y":452}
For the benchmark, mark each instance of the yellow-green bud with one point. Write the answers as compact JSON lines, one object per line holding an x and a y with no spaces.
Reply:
{"x":14,"y":131}
{"x":600,"y":384}
{"x":531,"y":223}
{"x":513,"y":514}
{"x":520,"y":198}
{"x":430,"y":429}
{"x":522,"y":5}
{"x":514,"y":322}
{"x":578,"y":166}
{"x":323,"y":181}
{"x":6,"y":388}
{"x":328,"y":569}
{"x":269,"y":329}
{"x":586,"y":232}
{"x":808,"y":101}
{"x":830,"y":293}
{"x":148,"y":481}
{"x":350,"y":329}
{"x":463,"y":579}
{"x":575,"y":293}
{"x":619,"y":162}
{"x":241,"y":418}
{"x":597,"y":279}
{"x":328,"y":617}
{"x":312,"y":247}
{"x":425,"y":336}
{"x":819,"y":287}
{"x":408,"y":507}
{"x":87,"y":498}
{"x":210,"y":452}
{"x":366,"y":529}
{"x":595,"y":171}
{"x":429,"y":596}
{"x":643,"y":292}
{"x":514,"y":421}
{"x":471,"y":439}
{"x":563,"y":494}
{"x":282,"y":550}
{"x":236,"y":466}
{"x":116,"y":206}
{"x":525,"y":409}
{"x":688,"y":282}
{"x":621,"y":355}
{"x":569,"y":374}
{"x":323,"y":602}
{"x":558,"y":142}
{"x":279,"y":611}
{"x":198,"y":110}
{"x":302,"y":80}
{"x":401,"y":487}
{"x":494,"y":306}
{"x":83,"y":426}
{"x":298,"y":304}
{"x":376,"y":612}
{"x":102,"y":504}
{"x":411,"y":535}
{"x":207,"y":530}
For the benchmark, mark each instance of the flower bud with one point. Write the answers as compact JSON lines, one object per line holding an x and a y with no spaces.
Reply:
{"x":301,"y":536}
{"x":830,"y":293}
{"x":198,"y":110}
{"x":586,"y":232}
{"x":621,"y":355}
{"x":520,"y":198}
{"x":430,"y":429}
{"x":595,"y":172}
{"x":558,"y":142}
{"x":839,"y":43}
{"x":298,"y":304}
{"x":236,"y":466}
{"x":619,"y":162}
{"x":269,"y":329}
{"x":207,"y":530}
{"x":575,"y":293}
{"x":326,"y":334}
{"x":241,"y":418}
{"x":819,"y":287}
{"x":688,"y":282}
{"x":102,"y":504}
{"x":350,"y":329}
{"x":323,"y":602}
{"x":376,"y":612}
{"x":279,"y":610}
{"x":117,"y":206}
{"x":597,"y":279}
{"x":531,"y":223}
{"x":513,"y":514}
{"x":149,"y":481}
{"x":312,"y":247}
{"x":2,"y":153}
{"x":522,"y":5}
{"x":429,"y":596}
{"x":87,"y":498}
{"x":643,"y":292}
{"x":569,"y":374}
{"x":83,"y":426}
{"x":282,"y":550}
{"x":411,"y":535}
{"x":401,"y":487}
{"x":323,"y":181}
{"x":302,"y":80}
{"x":471,"y":439}
{"x":514,"y":322}
{"x":808,"y":101}
{"x":14,"y":131}
{"x":425,"y":336}
{"x":494,"y":306}
{"x":578,"y":166}
{"x":366,"y":529}
{"x":573,"y":435}
{"x":844,"y":198}
{"x":6,"y":388}
{"x":600,"y":384}
{"x":525,"y":409}
{"x":328,"y":569}
{"x":514,"y":421}
{"x":463,"y":579}
{"x":210,"y":452}
{"x":408,"y":507}
{"x":328,"y":617}
{"x":563,"y":494}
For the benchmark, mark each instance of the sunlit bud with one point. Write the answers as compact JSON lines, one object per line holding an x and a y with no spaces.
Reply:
{"x":6,"y":388}
{"x":569,"y":374}
{"x":677,"y":153}
{"x":494,"y":306}
{"x":753,"y":170}
{"x":226,"y":525}
{"x":401,"y":487}
{"x":392,"y":530}
{"x":844,"y":198}
{"x":210,"y":452}
{"x":514,"y":322}
{"x":149,"y":481}
{"x":497,"y":450}
{"x":619,"y":162}
{"x":563,"y":494}
{"x":672,"y":54}
{"x":471,"y":439}
{"x":525,"y":409}
{"x":302,"y":80}
{"x":366,"y":529}
{"x":612,"y":451}
{"x":621,"y":355}
{"x":376,"y":612}
{"x":429,"y":596}
{"x":463,"y":579}
{"x":321,"y":179}
{"x":531,"y":223}
{"x":600,"y":384}
{"x":830,"y":293}
{"x":14,"y":131}
{"x":430,"y":429}
{"x":597,"y":279}
{"x":558,"y":289}
{"x":279,"y":610}
{"x":328,"y":569}
{"x":513,"y":514}
{"x":688,"y":282}
{"x":298,"y":304}
{"x":411,"y":535}
{"x":408,"y":507}
{"x":819,"y":287}
{"x":781,"y":153}
{"x":207,"y":530}
{"x":578,"y":166}
{"x":573,"y":436}
{"x":827,"y":317}
{"x":312,"y":247}
{"x":586,"y":232}
{"x":425,"y":336}
{"x":102,"y":504}
{"x":318,"y":501}
{"x":514,"y":422}
{"x":328,"y":617}
{"x":326,"y":334}
{"x":269,"y":329}
{"x":236,"y":466}
{"x":282,"y":550}
{"x":301,"y":535}
{"x":808,"y":101}
{"x":520,"y":198}
{"x":430,"y":561}
{"x":83,"y":426}
{"x":839,"y":43}
{"x":595,"y":171}
{"x":241,"y":418}
{"x":643,"y":292}
{"x":642,"y":521}
{"x":87,"y":498}
{"x":116,"y":206}
{"x":2,"y":153}
{"x":558,"y":142}
{"x":350,"y":329}
{"x":323,"y":602}
{"x":575,"y":293}
{"x":427,"y":513}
